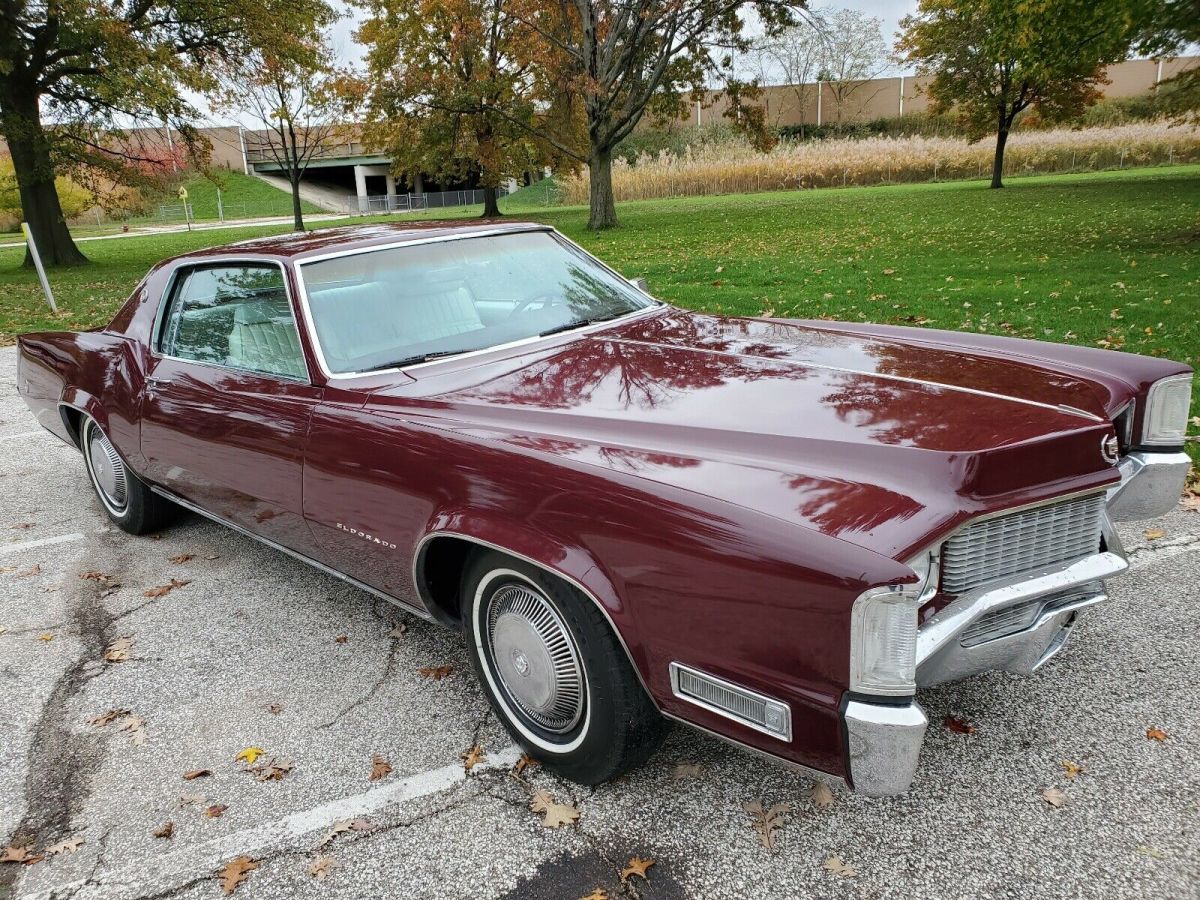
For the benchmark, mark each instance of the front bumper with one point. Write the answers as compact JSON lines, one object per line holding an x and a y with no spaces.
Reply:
{"x":1015,"y":626}
{"x":1150,"y":485}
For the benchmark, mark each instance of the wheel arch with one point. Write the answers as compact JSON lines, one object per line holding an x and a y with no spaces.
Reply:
{"x":443,"y":554}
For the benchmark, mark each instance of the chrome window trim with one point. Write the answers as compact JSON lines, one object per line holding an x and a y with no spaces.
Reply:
{"x":420,"y":550}
{"x":310,"y":323}
{"x":185,"y":265}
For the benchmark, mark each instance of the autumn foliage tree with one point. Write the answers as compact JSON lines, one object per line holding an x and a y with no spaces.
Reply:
{"x":70,"y":70}
{"x":451,"y":89}
{"x":624,"y":58}
{"x":992,"y":59}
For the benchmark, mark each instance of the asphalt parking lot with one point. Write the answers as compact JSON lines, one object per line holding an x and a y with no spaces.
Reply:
{"x":250,"y":649}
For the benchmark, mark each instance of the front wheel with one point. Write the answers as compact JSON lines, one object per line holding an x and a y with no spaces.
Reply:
{"x":129,"y":502}
{"x":554,"y":671}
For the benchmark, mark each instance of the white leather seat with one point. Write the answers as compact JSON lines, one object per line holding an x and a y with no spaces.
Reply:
{"x":264,"y":339}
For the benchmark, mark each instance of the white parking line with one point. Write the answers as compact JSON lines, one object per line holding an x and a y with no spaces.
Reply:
{"x":165,"y":871}
{"x":6,"y":549}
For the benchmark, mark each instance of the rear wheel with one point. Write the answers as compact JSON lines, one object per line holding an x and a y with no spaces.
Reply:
{"x":555,"y":672}
{"x":131,"y":505}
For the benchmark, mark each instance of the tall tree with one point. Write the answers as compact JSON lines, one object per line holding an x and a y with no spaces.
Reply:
{"x":297,"y":102}
{"x":992,"y":59}
{"x":622,"y":58}
{"x":451,"y":89}
{"x":853,"y":51}
{"x":1169,"y":28}
{"x":72,"y":69}
{"x":791,"y":58}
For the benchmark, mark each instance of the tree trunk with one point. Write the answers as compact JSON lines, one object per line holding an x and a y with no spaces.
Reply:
{"x":491,"y":208}
{"x":600,"y":193}
{"x":998,"y":159}
{"x":34,"y":171}
{"x":297,"y":211}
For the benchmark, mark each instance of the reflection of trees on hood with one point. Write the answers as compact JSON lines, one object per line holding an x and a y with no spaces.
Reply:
{"x":834,"y":505}
{"x":646,"y":376}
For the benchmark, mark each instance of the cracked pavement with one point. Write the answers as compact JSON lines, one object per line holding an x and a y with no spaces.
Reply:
{"x":247,"y":653}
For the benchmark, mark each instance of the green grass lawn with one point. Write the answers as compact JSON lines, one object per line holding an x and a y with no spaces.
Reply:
{"x":243,"y":195}
{"x":1110,"y":257}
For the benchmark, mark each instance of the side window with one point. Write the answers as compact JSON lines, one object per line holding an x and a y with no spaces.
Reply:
{"x":236,"y":316}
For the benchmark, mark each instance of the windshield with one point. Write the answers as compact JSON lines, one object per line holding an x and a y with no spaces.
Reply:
{"x":385,"y":308}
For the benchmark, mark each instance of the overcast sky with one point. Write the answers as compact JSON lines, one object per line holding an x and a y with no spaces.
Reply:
{"x":891,"y":11}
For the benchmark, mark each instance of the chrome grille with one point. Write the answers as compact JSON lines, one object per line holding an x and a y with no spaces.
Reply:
{"x":1026,"y":541}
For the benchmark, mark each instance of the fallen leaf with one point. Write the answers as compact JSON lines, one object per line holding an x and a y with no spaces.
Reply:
{"x":234,"y":873}
{"x":821,"y":795}
{"x":165,"y":830}
{"x":12,"y":854}
{"x":22,"y":525}
{"x":335,"y":829}
{"x":1153,"y":534}
{"x":135,"y":726}
{"x":398,"y":630}
{"x":3,"y":630}
{"x":163,"y":589}
{"x":437,"y":673}
{"x":637,"y":866}
{"x":45,"y":636}
{"x":341,"y":639}
{"x":249,"y":755}
{"x":525,"y":762}
{"x":1150,"y":851}
{"x":31,"y":571}
{"x":836,"y":866}
{"x":1191,"y":503}
{"x":362,"y":824}
{"x":767,"y":822}
{"x":215,"y":811}
{"x":1155,"y":733}
{"x":274,"y":709}
{"x":118,"y":650}
{"x":196,"y":773}
{"x":70,"y":845}
{"x":473,"y":757}
{"x":959,"y":726}
{"x":1072,"y":769}
{"x":1054,"y":796}
{"x":596,"y":894}
{"x":182,"y":558}
{"x":96,"y":576}
{"x":380,"y":768}
{"x":273,"y":770}
{"x":321,"y":867}
{"x":554,"y":814}
{"x":688,"y":770}
{"x":107,"y":718}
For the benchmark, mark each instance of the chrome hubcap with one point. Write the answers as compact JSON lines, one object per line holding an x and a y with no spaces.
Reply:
{"x":107,"y":470}
{"x":536,"y":660}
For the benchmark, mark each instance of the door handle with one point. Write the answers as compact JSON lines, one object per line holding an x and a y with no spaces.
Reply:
{"x":154,"y":381}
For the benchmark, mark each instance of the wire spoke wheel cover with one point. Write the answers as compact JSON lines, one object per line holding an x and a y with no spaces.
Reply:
{"x":534,"y":657}
{"x":108,"y":470}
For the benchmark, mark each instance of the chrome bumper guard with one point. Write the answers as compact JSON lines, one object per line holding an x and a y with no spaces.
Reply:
{"x":1150,"y":485}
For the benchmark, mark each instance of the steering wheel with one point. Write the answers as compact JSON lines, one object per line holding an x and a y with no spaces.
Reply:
{"x":522,"y":305}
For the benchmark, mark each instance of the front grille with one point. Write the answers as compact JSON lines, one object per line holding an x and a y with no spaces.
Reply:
{"x":1021,"y":542}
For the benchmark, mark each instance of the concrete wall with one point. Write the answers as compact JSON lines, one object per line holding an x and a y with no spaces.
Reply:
{"x":880,"y":98}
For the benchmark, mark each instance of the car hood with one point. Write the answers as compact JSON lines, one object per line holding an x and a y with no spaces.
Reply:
{"x":872,"y":440}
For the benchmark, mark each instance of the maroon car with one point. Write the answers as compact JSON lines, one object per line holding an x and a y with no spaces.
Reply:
{"x":774,"y":531}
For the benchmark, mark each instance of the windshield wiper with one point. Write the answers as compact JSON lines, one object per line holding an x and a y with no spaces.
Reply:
{"x":424,"y":357}
{"x":580,"y":323}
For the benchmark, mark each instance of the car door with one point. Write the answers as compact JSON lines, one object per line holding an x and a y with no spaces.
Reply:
{"x":228,"y":399}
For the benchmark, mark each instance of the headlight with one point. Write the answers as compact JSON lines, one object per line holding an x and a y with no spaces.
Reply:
{"x":1167,"y":411}
{"x":883,"y":632}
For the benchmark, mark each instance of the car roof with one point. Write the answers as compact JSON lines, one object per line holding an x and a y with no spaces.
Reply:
{"x":321,"y":241}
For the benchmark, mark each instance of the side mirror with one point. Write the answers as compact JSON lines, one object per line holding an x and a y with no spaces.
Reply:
{"x":640,"y":284}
